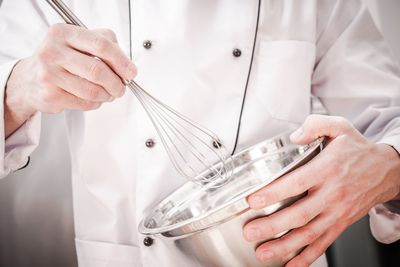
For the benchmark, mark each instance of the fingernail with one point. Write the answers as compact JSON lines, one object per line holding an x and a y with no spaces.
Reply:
{"x":253,"y":234}
{"x":257,"y":201}
{"x":296,"y":134}
{"x":267,"y":255}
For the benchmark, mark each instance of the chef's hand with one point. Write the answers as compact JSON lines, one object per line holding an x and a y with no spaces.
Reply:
{"x":63,"y":74}
{"x":349,"y":177}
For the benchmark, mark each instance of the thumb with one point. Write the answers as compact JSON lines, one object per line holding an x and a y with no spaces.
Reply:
{"x":316,"y":126}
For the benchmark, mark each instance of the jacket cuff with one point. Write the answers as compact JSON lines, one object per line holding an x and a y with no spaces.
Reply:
{"x":15,"y":151}
{"x":385,"y":224}
{"x":22,"y":143}
{"x":393,"y":141}
{"x":385,"y":218}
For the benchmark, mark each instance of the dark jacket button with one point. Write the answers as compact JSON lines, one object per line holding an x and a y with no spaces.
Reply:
{"x":147,"y":44}
{"x":216,"y":144}
{"x":150,"y":143}
{"x":237,"y":52}
{"x":148,"y":241}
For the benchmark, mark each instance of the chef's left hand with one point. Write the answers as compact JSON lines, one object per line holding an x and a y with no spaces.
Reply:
{"x":349,"y":177}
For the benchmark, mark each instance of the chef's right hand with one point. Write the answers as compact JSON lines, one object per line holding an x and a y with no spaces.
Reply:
{"x":64,"y":74}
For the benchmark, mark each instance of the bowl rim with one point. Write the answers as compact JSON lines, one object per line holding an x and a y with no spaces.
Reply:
{"x":158,"y":231}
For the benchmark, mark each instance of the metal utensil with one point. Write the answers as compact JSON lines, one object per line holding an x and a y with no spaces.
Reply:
{"x":205,"y":224}
{"x":191,"y":147}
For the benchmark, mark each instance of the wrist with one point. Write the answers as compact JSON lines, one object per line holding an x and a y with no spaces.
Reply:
{"x":392,"y":158}
{"x":397,"y":197}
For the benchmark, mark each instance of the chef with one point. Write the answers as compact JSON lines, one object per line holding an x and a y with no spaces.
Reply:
{"x":246,"y":70}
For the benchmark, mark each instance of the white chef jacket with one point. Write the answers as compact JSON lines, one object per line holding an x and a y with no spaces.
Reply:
{"x":327,"y":48}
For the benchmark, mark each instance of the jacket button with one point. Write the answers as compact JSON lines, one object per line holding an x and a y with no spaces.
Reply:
{"x":150,"y":143}
{"x":148,"y":241}
{"x":216,"y":144}
{"x":147,"y":44}
{"x":237,"y":52}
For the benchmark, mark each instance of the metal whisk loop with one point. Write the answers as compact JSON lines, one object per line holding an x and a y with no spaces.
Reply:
{"x":188,"y":145}
{"x":186,"y":142}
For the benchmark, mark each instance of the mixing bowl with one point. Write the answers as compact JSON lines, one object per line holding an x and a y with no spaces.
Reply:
{"x":205,"y":221}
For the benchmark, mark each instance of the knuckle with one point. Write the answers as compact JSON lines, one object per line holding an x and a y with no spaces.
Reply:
{"x":257,"y":200}
{"x":344,"y":123}
{"x":55,"y":109}
{"x":45,"y":54}
{"x":341,"y":120}
{"x":125,"y":62}
{"x":292,"y":263}
{"x":303,"y":217}
{"x":110,"y":34}
{"x":300,"y":184}
{"x":340,"y":194}
{"x":270,"y":229}
{"x":45,"y":76}
{"x":93,"y":92}
{"x":273,"y":196}
{"x":49,"y":96}
{"x":279,"y":246}
{"x":335,"y":166}
{"x":87,"y":105}
{"x":96,"y":106}
{"x":96,"y":69}
{"x":101,"y":44}
{"x":259,"y":256}
{"x":310,"y":255}
{"x":58,"y":110}
{"x":119,"y":89}
{"x":311,"y":118}
{"x":309,"y":235}
{"x":301,"y":262}
{"x":56,"y":31}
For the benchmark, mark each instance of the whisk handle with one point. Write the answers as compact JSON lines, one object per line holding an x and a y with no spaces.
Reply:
{"x":62,"y":9}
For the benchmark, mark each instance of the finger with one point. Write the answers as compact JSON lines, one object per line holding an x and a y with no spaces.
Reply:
{"x":80,"y":87}
{"x":102,"y":47}
{"x":289,"y":185}
{"x":69,"y":101}
{"x":294,"y":216}
{"x":55,"y":100}
{"x":315,"y":249}
{"x":285,"y":247}
{"x":319,"y":125}
{"x":109,"y":34}
{"x":94,"y":71}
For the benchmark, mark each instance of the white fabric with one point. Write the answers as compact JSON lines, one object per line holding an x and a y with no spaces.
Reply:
{"x":327,"y":48}
{"x":12,"y":155}
{"x":385,"y":224}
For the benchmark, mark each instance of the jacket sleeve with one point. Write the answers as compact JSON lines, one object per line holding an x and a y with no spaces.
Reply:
{"x":356,"y":77}
{"x":22,"y":26}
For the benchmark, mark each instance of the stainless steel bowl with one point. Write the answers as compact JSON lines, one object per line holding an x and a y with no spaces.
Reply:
{"x":205,"y":222}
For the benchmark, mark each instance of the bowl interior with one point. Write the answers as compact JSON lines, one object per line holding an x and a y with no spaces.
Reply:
{"x":254,"y":167}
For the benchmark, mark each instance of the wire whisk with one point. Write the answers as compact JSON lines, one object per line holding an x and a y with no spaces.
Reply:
{"x":192,"y":149}
{"x":195,"y":152}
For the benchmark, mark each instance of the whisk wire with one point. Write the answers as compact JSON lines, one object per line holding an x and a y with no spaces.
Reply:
{"x":160,"y":114}
{"x":162,"y":132}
